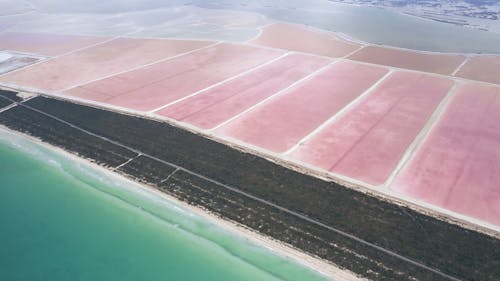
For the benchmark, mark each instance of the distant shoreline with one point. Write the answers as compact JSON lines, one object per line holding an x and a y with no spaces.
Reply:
{"x":465,"y":21}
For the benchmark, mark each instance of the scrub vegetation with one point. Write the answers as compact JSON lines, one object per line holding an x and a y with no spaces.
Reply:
{"x":246,"y":189}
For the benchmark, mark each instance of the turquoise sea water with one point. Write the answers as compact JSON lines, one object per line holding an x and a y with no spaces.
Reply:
{"x":64,"y":220}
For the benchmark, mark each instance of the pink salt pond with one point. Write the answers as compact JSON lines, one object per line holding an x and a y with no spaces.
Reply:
{"x":156,"y":85}
{"x":457,"y":166}
{"x":214,"y":106}
{"x":426,"y":62}
{"x":44,"y":43}
{"x":97,"y":62}
{"x":482,"y":68}
{"x":297,"y":38}
{"x":367,"y":142}
{"x":281,"y":122}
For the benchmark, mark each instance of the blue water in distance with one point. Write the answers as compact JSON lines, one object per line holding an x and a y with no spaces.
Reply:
{"x":361,"y":22}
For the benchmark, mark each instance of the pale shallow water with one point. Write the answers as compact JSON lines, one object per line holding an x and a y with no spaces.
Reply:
{"x":185,"y":19}
{"x":64,"y":220}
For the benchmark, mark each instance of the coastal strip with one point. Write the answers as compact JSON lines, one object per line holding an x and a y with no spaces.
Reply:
{"x":371,"y":237}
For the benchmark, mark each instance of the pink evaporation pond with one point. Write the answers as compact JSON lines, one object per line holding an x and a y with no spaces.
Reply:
{"x":457,"y":166}
{"x":367,"y":142}
{"x":214,"y":106}
{"x":426,"y":62}
{"x":482,"y":68}
{"x":156,"y":85}
{"x":296,"y":38}
{"x":44,"y":43}
{"x":98,"y":62}
{"x":281,"y":122}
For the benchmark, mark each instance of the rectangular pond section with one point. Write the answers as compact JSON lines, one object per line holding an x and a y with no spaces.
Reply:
{"x":426,"y":62}
{"x":97,"y":62}
{"x":280,"y":123}
{"x":367,"y":142}
{"x":156,"y":85}
{"x":217,"y":105}
{"x":457,"y":166}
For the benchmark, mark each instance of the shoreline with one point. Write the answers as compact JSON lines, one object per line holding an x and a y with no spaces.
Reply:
{"x":303,"y":168}
{"x":353,"y":40}
{"x":270,"y":20}
{"x":428,"y":209}
{"x":281,"y":249}
{"x":261,"y":194}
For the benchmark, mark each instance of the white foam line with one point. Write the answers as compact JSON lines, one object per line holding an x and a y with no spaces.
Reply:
{"x":256,"y":198}
{"x":423,"y":134}
{"x":65,"y":54}
{"x":466,"y":60}
{"x":469,"y":222}
{"x":222,"y":82}
{"x":280,"y":92}
{"x":140,"y":66}
{"x":340,"y":113}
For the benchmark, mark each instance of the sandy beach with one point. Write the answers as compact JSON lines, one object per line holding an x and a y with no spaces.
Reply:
{"x":285,"y":103}
{"x":323,"y":267}
{"x":388,"y":195}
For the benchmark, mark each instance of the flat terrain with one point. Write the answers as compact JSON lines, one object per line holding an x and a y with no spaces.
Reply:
{"x":466,"y":144}
{"x":98,"y":61}
{"x":354,"y":112}
{"x":45,"y":44}
{"x":280,"y":123}
{"x":371,"y":237}
{"x":482,"y":68}
{"x":367,"y":142}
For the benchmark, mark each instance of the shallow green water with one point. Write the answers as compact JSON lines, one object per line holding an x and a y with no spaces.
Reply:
{"x":63,"y":220}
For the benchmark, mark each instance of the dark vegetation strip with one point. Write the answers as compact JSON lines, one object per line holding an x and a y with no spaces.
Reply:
{"x":152,"y":173}
{"x":7,"y":98}
{"x":455,"y":251}
{"x":291,"y":229}
{"x":58,"y":134}
{"x":10,"y":95}
{"x":4,"y":102}
{"x":147,"y":170}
